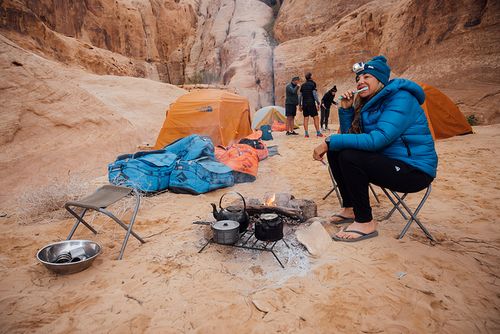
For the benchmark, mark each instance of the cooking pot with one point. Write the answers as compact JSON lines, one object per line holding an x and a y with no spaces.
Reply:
{"x":269,"y":227}
{"x":233,"y":212}
{"x":226,"y":232}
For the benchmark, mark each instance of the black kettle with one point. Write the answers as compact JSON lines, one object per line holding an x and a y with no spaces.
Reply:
{"x":233,"y":213}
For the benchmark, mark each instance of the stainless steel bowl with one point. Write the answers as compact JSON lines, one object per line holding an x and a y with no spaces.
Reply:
{"x":69,"y":256}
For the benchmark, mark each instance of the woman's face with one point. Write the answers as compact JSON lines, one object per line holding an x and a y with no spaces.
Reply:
{"x":367,"y":80}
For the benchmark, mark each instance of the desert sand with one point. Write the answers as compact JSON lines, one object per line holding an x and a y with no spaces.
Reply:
{"x":381,"y":285}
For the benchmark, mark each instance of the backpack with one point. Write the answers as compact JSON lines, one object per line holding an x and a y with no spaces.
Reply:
{"x":147,"y":171}
{"x":266,"y":132}
{"x":200,"y":176}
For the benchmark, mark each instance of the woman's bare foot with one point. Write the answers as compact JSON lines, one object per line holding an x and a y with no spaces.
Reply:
{"x":342,"y":215}
{"x":364,"y":228}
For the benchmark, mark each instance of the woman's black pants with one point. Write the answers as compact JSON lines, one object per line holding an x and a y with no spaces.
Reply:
{"x":325,"y":114}
{"x":354,"y":170}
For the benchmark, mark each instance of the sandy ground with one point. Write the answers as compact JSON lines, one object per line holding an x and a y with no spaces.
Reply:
{"x":382,"y":285}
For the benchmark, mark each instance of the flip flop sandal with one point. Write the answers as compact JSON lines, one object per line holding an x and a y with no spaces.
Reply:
{"x":362,"y":236}
{"x":344,"y":220}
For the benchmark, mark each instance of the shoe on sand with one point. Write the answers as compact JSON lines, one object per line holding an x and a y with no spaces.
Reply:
{"x":343,"y":220}
{"x":362,"y":236}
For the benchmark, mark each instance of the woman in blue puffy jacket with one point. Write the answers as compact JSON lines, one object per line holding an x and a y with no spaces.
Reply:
{"x":385,"y":140}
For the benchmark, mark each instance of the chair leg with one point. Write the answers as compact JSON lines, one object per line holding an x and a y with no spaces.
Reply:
{"x":130,"y":225}
{"x":395,"y":204}
{"x":79,"y":219}
{"x":335,"y":188}
{"x":374,"y":193}
{"x":414,"y":216}
{"x":328,"y":194}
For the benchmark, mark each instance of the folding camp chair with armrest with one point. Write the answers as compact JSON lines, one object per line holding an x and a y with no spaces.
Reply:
{"x":99,"y":201}
{"x":398,"y":201}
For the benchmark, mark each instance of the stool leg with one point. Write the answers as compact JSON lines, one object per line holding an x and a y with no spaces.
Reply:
{"x":414,"y":217}
{"x":374,"y":193}
{"x":396,"y":204}
{"x":331,"y":191}
{"x":130,"y":225}
{"x":79,"y":219}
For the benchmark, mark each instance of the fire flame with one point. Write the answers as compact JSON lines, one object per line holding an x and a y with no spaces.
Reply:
{"x":270,"y":200}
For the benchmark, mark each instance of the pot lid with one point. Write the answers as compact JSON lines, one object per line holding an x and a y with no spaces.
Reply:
{"x":268,"y":216}
{"x":225,"y":225}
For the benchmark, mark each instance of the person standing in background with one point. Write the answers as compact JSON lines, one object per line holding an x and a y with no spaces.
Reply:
{"x":326,"y":102}
{"x":291,"y":102}
{"x":310,"y":104}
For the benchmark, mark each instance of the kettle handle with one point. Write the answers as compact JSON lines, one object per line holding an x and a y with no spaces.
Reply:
{"x":237,"y":193}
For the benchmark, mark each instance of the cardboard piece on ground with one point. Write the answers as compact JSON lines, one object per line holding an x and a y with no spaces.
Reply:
{"x":315,"y":238}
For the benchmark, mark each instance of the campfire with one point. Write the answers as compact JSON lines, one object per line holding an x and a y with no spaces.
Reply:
{"x":258,"y":225}
{"x":283,"y":204}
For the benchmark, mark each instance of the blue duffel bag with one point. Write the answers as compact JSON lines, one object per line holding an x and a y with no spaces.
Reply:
{"x":200,"y":176}
{"x":192,"y":147}
{"x":147,"y":171}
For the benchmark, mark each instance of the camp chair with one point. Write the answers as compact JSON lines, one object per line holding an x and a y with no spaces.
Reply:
{"x":335,"y":188}
{"x":98,"y":201}
{"x":398,"y":201}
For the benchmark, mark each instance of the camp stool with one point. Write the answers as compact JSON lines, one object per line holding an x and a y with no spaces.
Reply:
{"x":99,"y":201}
{"x":400,"y":205}
{"x":335,"y":188}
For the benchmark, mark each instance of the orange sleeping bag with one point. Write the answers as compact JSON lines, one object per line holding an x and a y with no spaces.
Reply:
{"x":242,"y":159}
{"x":254,"y":140}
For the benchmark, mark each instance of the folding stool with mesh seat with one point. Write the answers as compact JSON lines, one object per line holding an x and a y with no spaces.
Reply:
{"x":398,"y":201}
{"x":336,"y":189}
{"x":99,"y":201}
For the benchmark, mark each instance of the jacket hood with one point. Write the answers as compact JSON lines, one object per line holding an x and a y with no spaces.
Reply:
{"x":396,"y":85}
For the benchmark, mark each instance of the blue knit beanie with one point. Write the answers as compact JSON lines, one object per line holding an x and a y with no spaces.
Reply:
{"x":378,"y":67}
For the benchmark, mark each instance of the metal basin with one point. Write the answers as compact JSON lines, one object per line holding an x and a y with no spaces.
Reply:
{"x":69,"y":256}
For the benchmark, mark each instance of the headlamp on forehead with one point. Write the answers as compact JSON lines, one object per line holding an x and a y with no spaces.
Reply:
{"x":358,"y":67}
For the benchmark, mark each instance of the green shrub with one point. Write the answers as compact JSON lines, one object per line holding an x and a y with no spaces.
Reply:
{"x":472,"y":120}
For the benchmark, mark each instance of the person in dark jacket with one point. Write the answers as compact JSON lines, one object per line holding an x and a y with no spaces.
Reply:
{"x":385,"y":140}
{"x":310,"y":104}
{"x":291,"y":102}
{"x":326,"y":102}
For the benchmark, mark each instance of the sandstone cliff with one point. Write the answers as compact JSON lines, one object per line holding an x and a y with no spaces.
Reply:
{"x":233,"y":47}
{"x":57,"y":122}
{"x":137,"y":38}
{"x":454,"y":45}
{"x":217,"y":41}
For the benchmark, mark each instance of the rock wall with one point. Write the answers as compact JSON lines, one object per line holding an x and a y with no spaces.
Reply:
{"x":58,"y":122}
{"x":233,"y":47}
{"x":451,"y":44}
{"x":454,"y":45}
{"x":137,"y":38}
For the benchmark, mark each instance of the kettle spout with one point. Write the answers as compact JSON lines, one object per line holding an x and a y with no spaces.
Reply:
{"x":214,"y":211}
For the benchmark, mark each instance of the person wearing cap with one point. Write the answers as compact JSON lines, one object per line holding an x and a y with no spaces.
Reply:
{"x":326,"y":102}
{"x":384,"y":140}
{"x":291,"y":102}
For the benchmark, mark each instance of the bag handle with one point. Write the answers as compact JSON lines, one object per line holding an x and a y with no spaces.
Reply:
{"x":143,"y":153}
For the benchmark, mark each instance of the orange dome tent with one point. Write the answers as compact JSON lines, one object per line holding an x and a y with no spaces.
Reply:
{"x":219,"y":114}
{"x":445,"y":119}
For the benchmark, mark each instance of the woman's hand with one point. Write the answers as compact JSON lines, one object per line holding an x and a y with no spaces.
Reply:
{"x":347,"y":99}
{"x":320,"y":151}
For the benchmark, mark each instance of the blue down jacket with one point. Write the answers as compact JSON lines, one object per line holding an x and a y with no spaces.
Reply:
{"x":393,"y":124}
